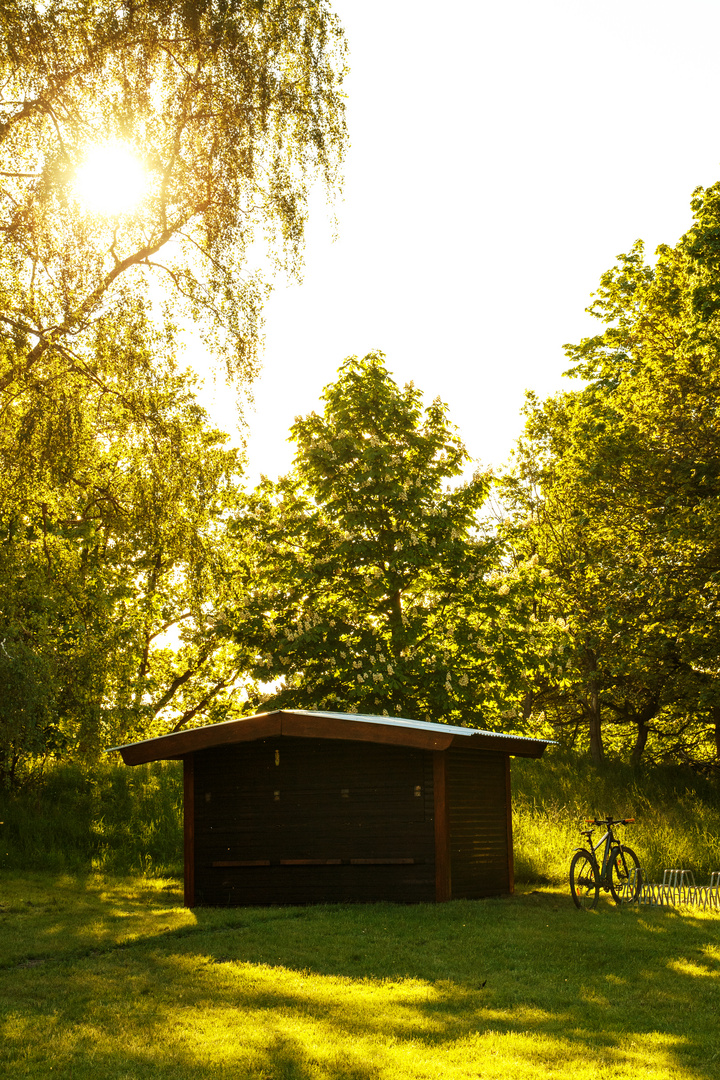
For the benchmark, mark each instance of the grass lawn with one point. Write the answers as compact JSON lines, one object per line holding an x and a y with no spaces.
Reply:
{"x":111,"y":978}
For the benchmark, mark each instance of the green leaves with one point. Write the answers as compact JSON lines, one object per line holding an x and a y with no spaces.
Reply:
{"x":112,"y":493}
{"x":114,"y":488}
{"x":617,"y":489}
{"x":366,"y":579}
{"x":231,"y":110}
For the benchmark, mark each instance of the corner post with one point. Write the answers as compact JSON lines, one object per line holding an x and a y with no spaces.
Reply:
{"x":508,"y":810}
{"x":189,"y":827}
{"x":443,"y":888}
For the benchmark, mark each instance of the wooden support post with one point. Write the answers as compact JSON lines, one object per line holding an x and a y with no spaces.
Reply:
{"x":508,"y":810}
{"x":443,"y":886}
{"x":189,"y":827}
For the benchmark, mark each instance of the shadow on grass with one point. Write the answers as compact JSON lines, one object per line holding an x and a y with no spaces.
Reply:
{"x":48,"y":918}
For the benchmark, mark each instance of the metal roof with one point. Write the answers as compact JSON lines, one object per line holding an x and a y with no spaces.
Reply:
{"x":307,"y":723}
{"x":402,"y":721}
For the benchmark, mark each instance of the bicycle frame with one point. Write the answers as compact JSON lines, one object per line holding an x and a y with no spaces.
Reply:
{"x":610,"y":841}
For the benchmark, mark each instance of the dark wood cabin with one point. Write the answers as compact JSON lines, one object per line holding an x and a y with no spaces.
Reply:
{"x":298,"y":807}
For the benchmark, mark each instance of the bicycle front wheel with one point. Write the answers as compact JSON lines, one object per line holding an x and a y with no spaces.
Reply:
{"x":584,"y":884}
{"x":625,"y":875}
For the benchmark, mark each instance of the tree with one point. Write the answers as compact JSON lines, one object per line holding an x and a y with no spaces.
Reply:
{"x":617,"y":486}
{"x":112,"y":534}
{"x":624,"y":668}
{"x":113,"y":485}
{"x":233,"y":107}
{"x":366,"y":581}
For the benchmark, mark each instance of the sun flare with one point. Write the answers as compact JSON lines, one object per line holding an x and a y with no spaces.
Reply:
{"x":111,"y":180}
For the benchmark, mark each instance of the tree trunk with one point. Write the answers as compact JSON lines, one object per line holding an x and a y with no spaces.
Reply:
{"x":594,"y":717}
{"x":642,"y":719}
{"x":596,"y":744}
{"x":640,"y":741}
{"x":716,"y":718}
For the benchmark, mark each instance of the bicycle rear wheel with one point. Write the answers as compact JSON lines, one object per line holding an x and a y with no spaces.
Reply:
{"x":624,"y":875}
{"x":584,"y":884}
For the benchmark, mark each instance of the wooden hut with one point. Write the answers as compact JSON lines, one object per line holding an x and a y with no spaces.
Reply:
{"x":298,"y":807}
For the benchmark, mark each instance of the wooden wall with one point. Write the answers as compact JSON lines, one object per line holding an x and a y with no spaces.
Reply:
{"x":480,"y":837}
{"x":300,"y":821}
{"x":296,"y":821}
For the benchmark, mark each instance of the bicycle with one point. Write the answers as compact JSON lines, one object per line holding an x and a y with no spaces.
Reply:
{"x":620,"y":873}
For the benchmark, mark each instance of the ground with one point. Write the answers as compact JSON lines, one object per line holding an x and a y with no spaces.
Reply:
{"x":112,"y":978}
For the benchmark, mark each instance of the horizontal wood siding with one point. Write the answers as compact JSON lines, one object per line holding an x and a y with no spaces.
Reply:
{"x":477,"y":811}
{"x":332,"y":821}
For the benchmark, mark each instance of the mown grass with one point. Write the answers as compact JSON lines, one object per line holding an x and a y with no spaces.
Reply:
{"x":112,"y":978}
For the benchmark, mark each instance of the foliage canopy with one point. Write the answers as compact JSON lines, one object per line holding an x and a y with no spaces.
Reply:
{"x":367,"y":581}
{"x":113,"y":485}
{"x":617,"y":488}
{"x":232,"y":106}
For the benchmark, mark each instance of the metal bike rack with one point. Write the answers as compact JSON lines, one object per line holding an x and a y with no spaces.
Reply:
{"x":678,"y":888}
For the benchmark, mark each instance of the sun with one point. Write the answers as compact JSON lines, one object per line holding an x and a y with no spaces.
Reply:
{"x":111,"y":180}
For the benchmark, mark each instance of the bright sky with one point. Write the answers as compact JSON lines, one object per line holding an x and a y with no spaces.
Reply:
{"x":502,"y":155}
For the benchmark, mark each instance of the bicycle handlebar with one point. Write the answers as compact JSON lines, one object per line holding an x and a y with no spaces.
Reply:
{"x":610,"y":821}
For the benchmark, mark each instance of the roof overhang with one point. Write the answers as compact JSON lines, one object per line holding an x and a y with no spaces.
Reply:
{"x":324,"y":725}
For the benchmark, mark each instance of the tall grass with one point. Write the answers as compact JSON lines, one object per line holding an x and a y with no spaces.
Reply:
{"x":677,"y":815}
{"x":120,"y":820}
{"x":113,"y":819}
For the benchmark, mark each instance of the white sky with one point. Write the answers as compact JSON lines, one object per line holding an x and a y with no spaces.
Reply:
{"x":503,"y":154}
